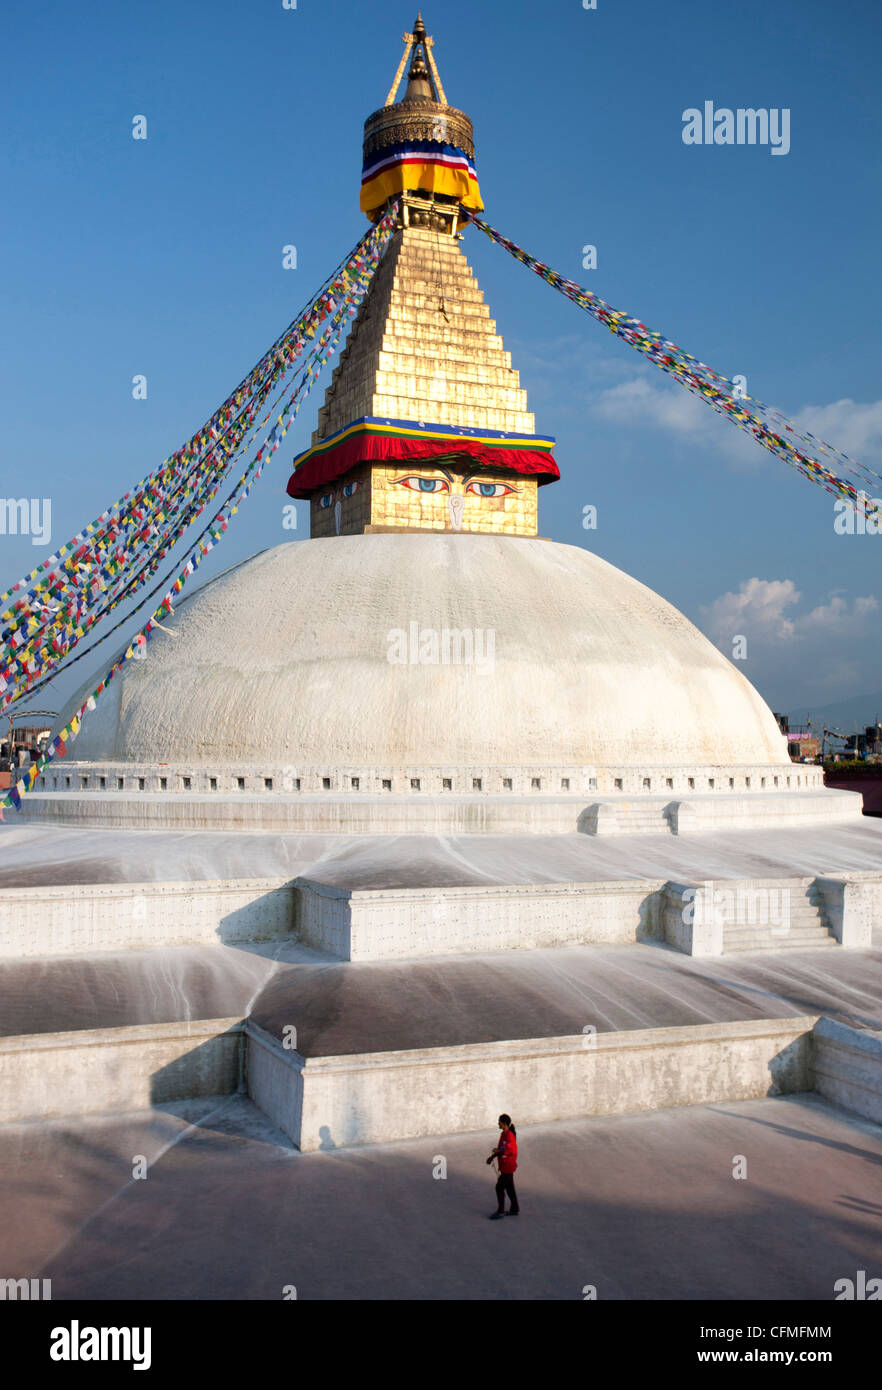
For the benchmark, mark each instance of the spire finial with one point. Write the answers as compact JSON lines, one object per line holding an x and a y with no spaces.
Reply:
{"x":423,"y":79}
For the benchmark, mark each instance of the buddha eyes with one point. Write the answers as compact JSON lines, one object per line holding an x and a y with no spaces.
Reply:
{"x":477,"y":489}
{"x":347,"y":490}
{"x":489,"y":489}
{"x":424,"y":484}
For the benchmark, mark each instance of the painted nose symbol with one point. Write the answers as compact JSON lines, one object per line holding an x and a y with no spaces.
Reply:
{"x":457,"y":502}
{"x":338,"y":514}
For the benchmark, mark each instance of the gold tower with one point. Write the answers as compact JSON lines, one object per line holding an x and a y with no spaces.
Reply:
{"x":425,"y":424}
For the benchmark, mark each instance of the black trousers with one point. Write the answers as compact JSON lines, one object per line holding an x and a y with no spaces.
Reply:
{"x":505,"y":1184}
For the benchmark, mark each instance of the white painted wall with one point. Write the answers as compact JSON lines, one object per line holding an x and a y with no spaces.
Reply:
{"x":846,"y":1067}
{"x":331,"y":1102}
{"x":393,"y":924}
{"x":48,"y":1075}
{"x":81,"y":918}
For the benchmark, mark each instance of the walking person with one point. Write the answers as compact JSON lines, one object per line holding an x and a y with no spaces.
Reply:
{"x":506,"y":1155}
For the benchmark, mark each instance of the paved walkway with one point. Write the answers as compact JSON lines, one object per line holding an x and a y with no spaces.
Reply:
{"x":639,"y":1206}
{"x":32,"y":855}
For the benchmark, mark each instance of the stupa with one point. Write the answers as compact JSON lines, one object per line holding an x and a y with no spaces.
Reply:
{"x":450,"y":669}
{"x":486,"y":759}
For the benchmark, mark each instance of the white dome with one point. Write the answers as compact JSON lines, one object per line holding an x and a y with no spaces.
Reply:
{"x":285,"y":660}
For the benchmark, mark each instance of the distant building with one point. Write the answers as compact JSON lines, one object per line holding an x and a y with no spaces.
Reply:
{"x":866,"y":745}
{"x":802,"y":744}
{"x":26,"y":738}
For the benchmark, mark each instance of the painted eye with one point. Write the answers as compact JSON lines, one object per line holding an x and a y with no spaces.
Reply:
{"x":489,"y":489}
{"x":326,"y":499}
{"x":424,"y":484}
{"x":349,"y":489}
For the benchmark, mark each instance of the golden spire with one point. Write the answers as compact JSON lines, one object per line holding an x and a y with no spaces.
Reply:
{"x":424,"y":83}
{"x":419,"y":145}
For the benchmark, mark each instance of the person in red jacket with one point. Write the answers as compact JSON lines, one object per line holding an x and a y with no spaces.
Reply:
{"x":506,"y":1154}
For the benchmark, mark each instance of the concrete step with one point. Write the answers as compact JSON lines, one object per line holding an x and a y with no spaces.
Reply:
{"x":766,"y":933}
{"x":790,"y":942}
{"x":781,"y":944}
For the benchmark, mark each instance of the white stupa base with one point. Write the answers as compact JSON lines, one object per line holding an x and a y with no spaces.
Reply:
{"x":699,"y":917}
{"x":94,"y":800}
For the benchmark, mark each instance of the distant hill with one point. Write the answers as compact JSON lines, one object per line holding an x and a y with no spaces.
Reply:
{"x":841,"y":714}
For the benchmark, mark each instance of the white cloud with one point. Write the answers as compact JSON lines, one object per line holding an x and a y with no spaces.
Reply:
{"x":847,"y":425}
{"x":823,"y":651}
{"x":664,"y":405}
{"x":836,"y":617}
{"x":764,"y":610}
{"x":566,"y":369}
{"x":757,"y":610}
{"x":643,"y":402}
{"x":854,"y":428}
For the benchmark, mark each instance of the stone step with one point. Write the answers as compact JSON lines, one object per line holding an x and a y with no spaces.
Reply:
{"x":798,"y":921}
{"x":763,"y":941}
{"x":802,"y":884}
{"x":733,"y":930}
{"x":425,"y":366}
{"x":781,"y":944}
{"x":641,"y":822}
{"x":502,"y":393}
{"x":441,"y":334}
{"x":765,"y":936}
{"x":415,"y":258}
{"x":449,"y":289}
{"x":470,"y":416}
{"x":413,"y":305}
{"x":430,"y":389}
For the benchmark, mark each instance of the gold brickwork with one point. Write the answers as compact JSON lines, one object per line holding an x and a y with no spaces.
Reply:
{"x":423,"y":347}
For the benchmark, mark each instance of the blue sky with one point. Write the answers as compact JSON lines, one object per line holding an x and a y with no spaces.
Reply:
{"x":164,"y":257}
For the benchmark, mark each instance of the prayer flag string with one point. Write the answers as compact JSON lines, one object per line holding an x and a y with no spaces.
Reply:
{"x":768,"y":427}
{"x":337,"y":303}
